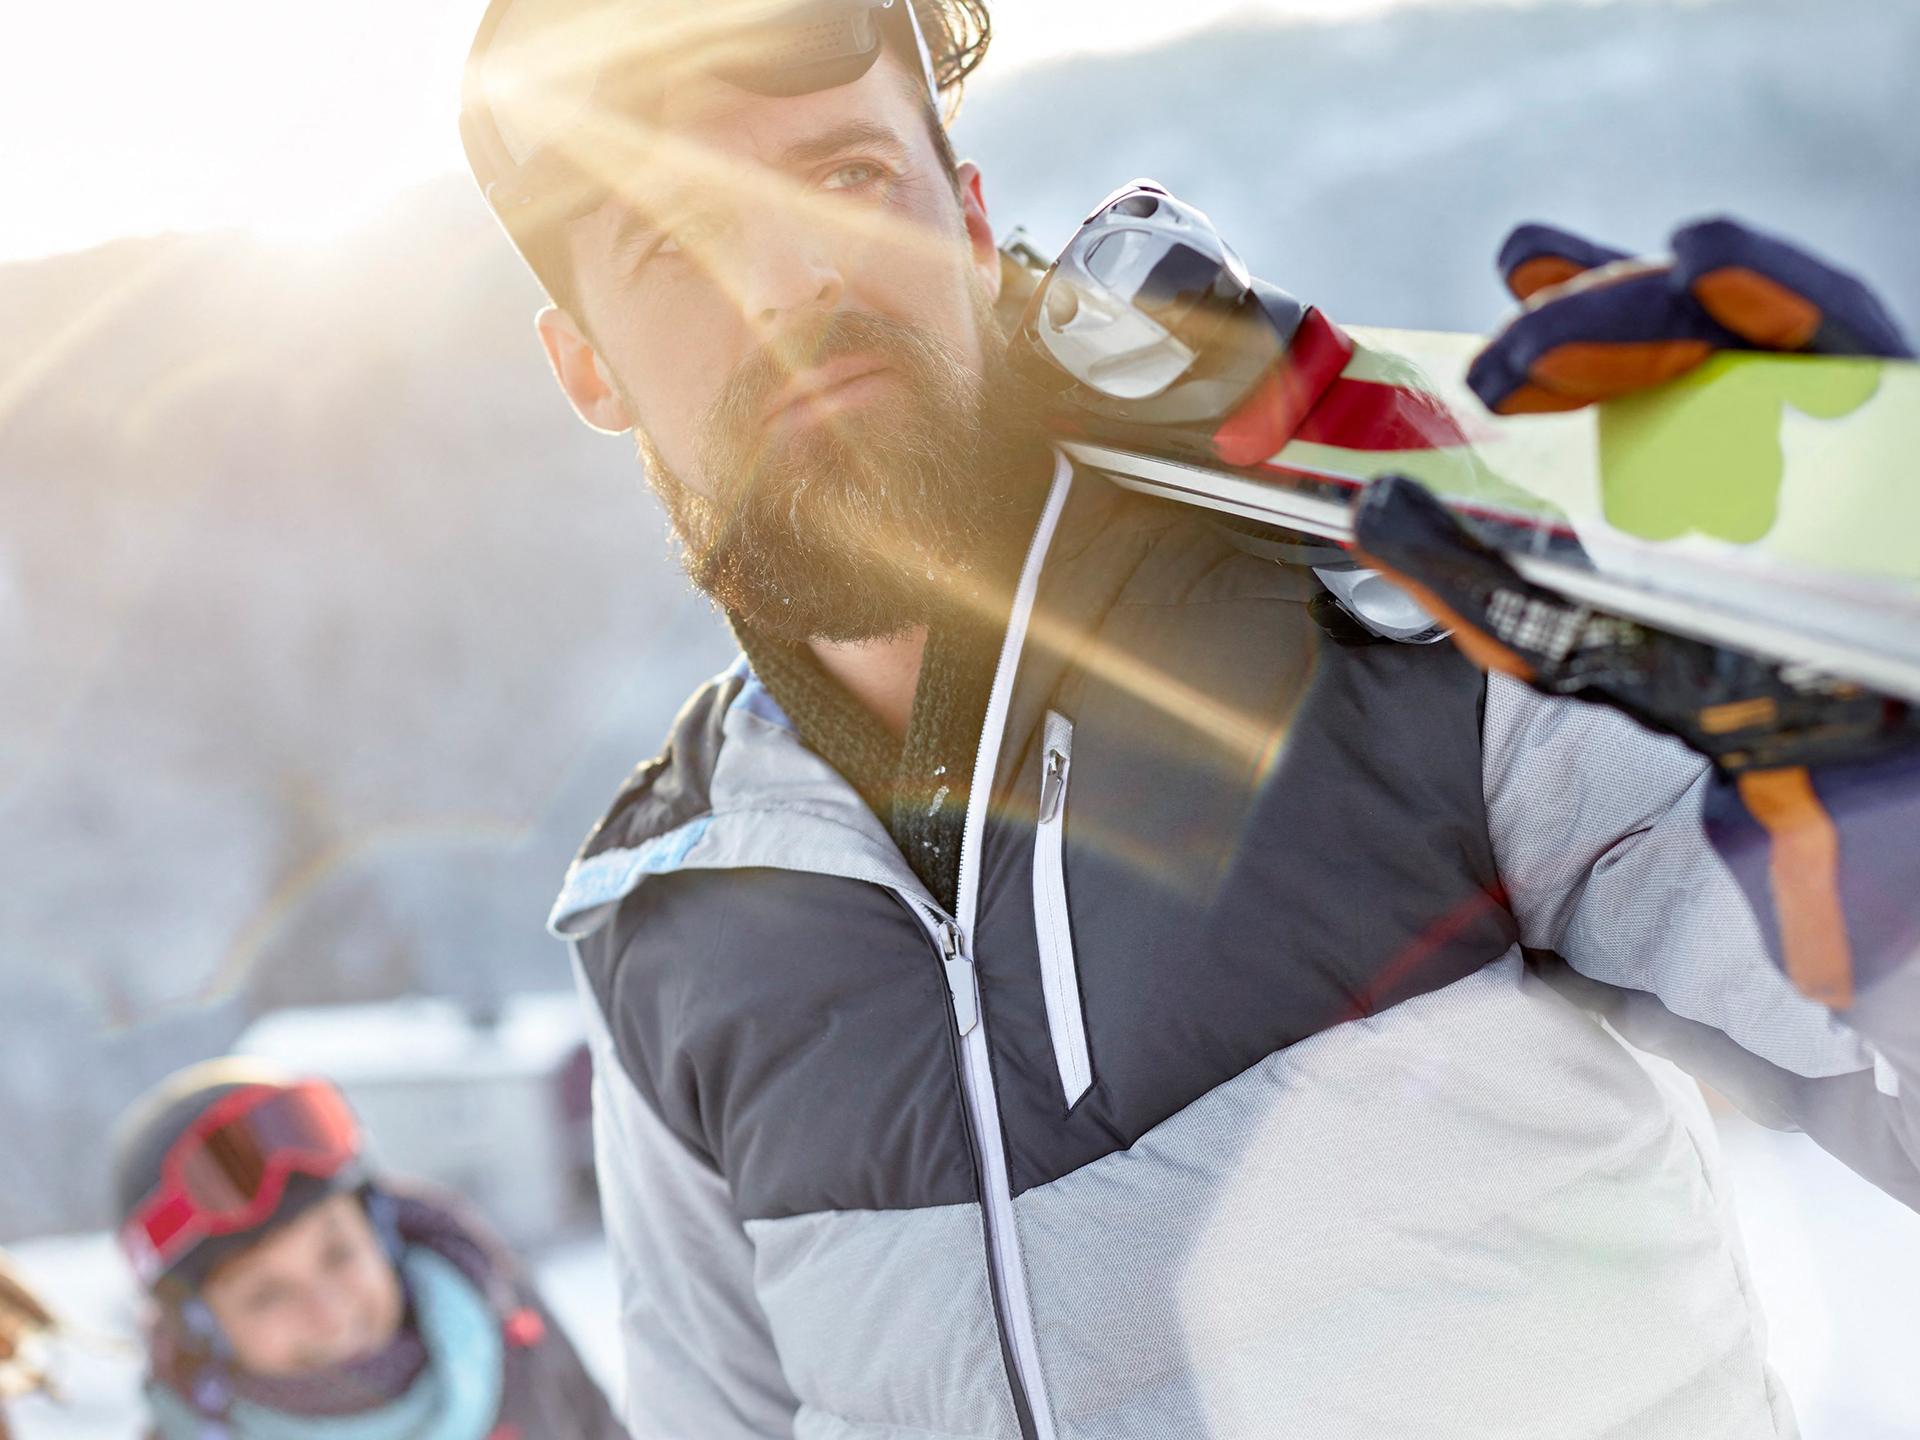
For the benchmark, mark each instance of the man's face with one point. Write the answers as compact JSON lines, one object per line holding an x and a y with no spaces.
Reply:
{"x":316,"y":1292}
{"x":792,"y":307}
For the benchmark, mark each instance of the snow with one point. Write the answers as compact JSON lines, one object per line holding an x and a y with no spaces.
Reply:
{"x":421,"y":1037}
{"x":1835,"y":1262}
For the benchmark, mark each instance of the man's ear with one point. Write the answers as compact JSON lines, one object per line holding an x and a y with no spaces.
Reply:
{"x":973,"y":210}
{"x":582,"y":374}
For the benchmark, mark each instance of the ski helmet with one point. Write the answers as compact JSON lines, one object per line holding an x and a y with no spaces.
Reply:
{"x":549,"y":85}
{"x":219,"y":1154}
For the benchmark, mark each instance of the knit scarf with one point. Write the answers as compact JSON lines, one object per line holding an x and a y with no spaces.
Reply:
{"x":918,"y":785}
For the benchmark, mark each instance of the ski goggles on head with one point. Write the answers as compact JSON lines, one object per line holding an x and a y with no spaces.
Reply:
{"x":228,"y":1172}
{"x":1152,"y":315}
{"x":547,"y":80}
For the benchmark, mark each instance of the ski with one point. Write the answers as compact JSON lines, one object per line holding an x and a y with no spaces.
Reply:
{"x":1764,"y":503}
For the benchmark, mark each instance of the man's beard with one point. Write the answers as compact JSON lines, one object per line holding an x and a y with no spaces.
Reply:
{"x":862,"y":523}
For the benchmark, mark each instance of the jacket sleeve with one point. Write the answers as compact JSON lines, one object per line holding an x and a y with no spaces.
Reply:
{"x":1622,"y":901}
{"x":700,"y":1363}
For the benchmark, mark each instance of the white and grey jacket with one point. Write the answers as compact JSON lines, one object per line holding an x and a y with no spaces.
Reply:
{"x":1264,"y":1083}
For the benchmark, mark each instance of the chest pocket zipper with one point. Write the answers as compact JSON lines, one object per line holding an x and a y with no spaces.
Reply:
{"x":1059,"y":976}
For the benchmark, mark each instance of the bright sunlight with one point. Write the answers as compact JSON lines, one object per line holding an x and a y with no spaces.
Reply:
{"x":300,"y":121}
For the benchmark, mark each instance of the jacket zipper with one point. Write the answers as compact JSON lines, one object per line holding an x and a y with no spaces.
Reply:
{"x":1059,"y":975}
{"x":976,"y":1067}
{"x":962,"y":983}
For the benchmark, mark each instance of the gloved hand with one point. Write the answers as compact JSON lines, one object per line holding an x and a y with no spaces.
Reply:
{"x":1597,"y":324}
{"x":1816,"y":805}
{"x":1741,"y":712}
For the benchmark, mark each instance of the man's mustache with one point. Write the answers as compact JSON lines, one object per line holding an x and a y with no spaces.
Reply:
{"x":736,"y":416}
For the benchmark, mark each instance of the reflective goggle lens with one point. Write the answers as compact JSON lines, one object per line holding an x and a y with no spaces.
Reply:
{"x":229,"y":1170}
{"x":545,"y":64}
{"x":225,"y":1171}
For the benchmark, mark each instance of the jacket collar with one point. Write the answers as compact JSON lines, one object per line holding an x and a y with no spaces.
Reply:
{"x":769,"y":801}
{"x":772,"y":804}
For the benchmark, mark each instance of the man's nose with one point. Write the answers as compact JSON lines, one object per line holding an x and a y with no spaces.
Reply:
{"x":789,"y":275}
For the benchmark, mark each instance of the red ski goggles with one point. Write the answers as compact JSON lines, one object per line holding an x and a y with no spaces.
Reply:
{"x":227,"y":1173}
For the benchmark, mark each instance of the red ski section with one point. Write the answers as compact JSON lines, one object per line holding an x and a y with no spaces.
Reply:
{"x":1308,"y":398}
{"x":1366,"y":415}
{"x":1288,"y":397}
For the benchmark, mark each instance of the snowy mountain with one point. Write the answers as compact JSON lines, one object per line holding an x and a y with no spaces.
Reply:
{"x":1374,"y":167}
{"x":327,"y":630}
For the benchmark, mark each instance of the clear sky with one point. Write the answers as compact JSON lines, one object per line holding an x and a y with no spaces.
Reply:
{"x":301,"y":117}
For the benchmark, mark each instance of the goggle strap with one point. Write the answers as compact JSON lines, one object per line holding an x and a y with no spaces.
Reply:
{"x":169,"y":1222}
{"x":926,"y":55}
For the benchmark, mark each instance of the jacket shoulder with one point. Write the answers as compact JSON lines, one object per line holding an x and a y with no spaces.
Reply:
{"x":673,"y":787}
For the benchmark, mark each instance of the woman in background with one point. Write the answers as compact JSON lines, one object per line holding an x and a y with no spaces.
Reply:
{"x":293,"y":1293}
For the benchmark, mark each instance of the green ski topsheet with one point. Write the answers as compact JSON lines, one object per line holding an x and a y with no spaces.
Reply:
{"x":1767,"y":502}
{"x":1777,"y":463}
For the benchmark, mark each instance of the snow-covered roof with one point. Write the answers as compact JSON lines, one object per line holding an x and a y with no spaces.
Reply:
{"x":419,"y":1037}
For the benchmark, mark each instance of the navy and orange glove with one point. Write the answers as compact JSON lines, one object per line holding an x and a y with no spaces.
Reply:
{"x":1815,"y":808}
{"x":1598,"y":324}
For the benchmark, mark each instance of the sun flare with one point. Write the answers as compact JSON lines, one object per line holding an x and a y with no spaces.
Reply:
{"x":299,"y":122}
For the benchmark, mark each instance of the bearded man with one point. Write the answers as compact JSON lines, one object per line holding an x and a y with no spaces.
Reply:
{"x":1048,"y":987}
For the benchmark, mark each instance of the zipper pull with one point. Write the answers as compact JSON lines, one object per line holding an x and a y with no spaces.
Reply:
{"x":1053,"y":780}
{"x":961,"y":981}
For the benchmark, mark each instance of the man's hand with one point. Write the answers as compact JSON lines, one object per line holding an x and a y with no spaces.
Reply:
{"x":1598,"y":324}
{"x":1816,"y":805}
{"x":1740,"y":712}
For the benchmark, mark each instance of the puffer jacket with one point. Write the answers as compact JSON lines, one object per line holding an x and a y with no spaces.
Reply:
{"x":1257,"y":1085}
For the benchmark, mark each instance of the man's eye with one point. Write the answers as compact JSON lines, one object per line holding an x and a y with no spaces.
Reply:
{"x":855,"y":175}
{"x":682,"y":236}
{"x":691,"y":233}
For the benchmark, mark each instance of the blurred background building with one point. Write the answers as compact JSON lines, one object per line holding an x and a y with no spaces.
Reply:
{"x":494,"y":1107}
